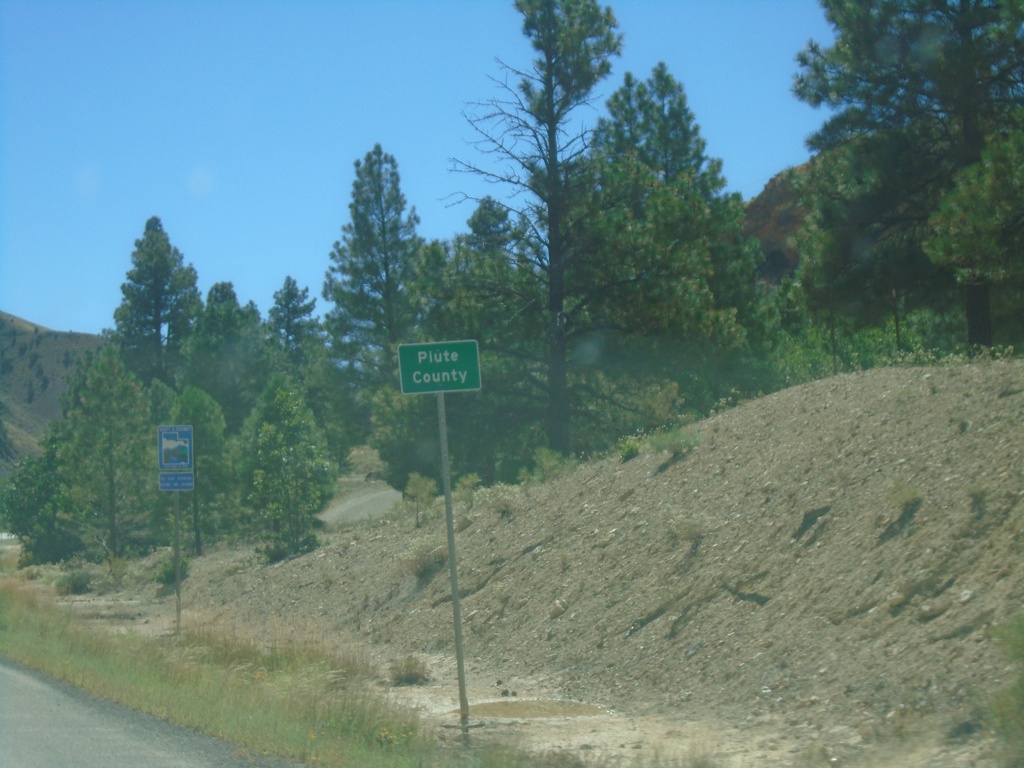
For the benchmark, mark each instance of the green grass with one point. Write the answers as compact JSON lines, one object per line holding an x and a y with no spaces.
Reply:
{"x":678,"y":441}
{"x":1008,"y":704}
{"x":300,"y":704}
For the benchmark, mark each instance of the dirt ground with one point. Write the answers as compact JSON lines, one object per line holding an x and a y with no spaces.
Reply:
{"x":815,"y":583}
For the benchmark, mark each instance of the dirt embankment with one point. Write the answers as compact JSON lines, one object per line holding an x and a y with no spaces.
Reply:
{"x":815,"y":581}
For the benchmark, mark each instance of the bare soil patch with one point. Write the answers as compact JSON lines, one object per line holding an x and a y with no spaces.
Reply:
{"x":815,"y":583}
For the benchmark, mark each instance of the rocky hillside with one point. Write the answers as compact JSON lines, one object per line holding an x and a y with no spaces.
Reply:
{"x":34,"y":363}
{"x":774,"y":217}
{"x":831,"y":557}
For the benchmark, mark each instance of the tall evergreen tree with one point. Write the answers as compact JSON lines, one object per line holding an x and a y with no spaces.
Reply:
{"x":652,"y":121}
{"x":918,"y":89}
{"x":211,"y":467}
{"x":287,"y":474}
{"x":107,"y":457}
{"x":292,"y":322}
{"x":531,"y":133}
{"x":226,"y":354}
{"x":160,"y":302}
{"x":371,"y":268}
{"x":650,"y":167}
{"x":979,"y":230}
{"x":470,"y":288}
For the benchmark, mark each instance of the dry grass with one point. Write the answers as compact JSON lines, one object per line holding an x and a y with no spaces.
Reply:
{"x":424,"y":561}
{"x":412,"y":670}
{"x":296,"y":702}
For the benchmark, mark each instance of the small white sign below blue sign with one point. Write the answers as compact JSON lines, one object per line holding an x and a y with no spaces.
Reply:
{"x":177,"y":481}
{"x":174,"y":448}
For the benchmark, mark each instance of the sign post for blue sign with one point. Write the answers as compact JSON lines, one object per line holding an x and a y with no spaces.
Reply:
{"x":174,"y":451}
{"x":436,"y":368}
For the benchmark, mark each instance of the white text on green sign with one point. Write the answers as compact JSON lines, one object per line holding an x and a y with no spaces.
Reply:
{"x":442,"y":366}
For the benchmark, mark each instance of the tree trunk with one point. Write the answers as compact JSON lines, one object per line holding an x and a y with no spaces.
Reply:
{"x":115,"y":544}
{"x":979,"y":314}
{"x":197,"y":534}
{"x":559,"y":419}
{"x":896,"y":319}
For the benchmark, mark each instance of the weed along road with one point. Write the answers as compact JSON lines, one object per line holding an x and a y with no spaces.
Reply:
{"x":46,"y":724}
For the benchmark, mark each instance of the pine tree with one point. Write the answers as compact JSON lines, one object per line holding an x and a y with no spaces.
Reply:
{"x":107,"y":457}
{"x":468,"y":288}
{"x":160,"y":302}
{"x":286,"y":470}
{"x":226,"y":355}
{"x":979,"y":231}
{"x":6,"y":446}
{"x":371,"y":268}
{"x":531,"y":133}
{"x":35,"y":508}
{"x":918,"y":91}
{"x":292,"y":322}
{"x":210,"y":464}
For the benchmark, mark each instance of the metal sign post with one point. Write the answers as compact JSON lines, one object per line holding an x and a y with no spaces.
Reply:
{"x":436,"y":368}
{"x":175,"y":459}
{"x":177,"y":566}
{"x":453,"y":571}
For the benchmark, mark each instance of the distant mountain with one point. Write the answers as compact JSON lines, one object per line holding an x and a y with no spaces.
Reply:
{"x":34,"y":365}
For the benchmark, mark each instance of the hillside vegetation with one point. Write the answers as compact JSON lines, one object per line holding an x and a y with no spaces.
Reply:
{"x":34,"y":363}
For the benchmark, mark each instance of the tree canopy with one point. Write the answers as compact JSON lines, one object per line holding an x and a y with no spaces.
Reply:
{"x":371,"y":268}
{"x":107,"y":443}
{"x":918,"y":91}
{"x":530,"y":134}
{"x":160,"y":302}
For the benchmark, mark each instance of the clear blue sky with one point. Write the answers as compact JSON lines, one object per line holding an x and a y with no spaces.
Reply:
{"x":237,"y":122}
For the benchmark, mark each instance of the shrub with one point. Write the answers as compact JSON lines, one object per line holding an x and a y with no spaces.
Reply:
{"x":74,"y":582}
{"x":275,"y":552}
{"x":411,"y":670}
{"x":547,"y":465}
{"x":165,"y":570}
{"x":424,"y":561}
{"x":465,"y":489}
{"x":630,"y":448}
{"x":420,"y":491}
{"x":679,"y":441}
{"x":690,"y":529}
{"x":501,"y":500}
{"x":904,"y":496}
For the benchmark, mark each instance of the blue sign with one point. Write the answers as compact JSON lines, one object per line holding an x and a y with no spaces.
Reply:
{"x":174,"y":448}
{"x":177,"y":481}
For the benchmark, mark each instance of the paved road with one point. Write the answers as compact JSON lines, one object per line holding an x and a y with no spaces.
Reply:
{"x":361,"y":507}
{"x":46,"y":724}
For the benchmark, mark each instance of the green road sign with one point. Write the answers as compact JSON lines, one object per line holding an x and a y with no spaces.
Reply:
{"x":441,"y":366}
